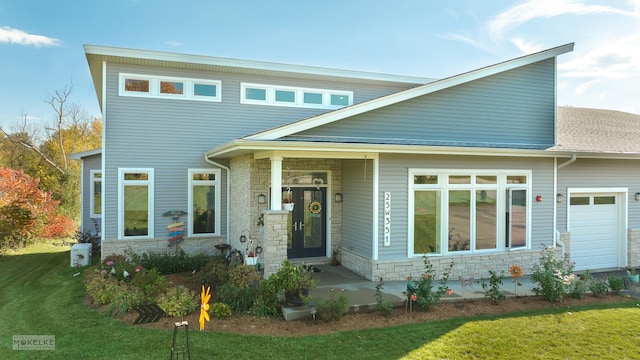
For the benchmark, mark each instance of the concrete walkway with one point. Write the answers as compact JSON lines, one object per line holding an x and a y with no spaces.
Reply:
{"x":361,"y":292}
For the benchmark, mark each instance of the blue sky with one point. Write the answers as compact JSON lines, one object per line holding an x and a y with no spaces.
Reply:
{"x":41,"y":41}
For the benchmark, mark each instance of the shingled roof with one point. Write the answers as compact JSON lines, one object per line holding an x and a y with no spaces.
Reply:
{"x":597,"y":131}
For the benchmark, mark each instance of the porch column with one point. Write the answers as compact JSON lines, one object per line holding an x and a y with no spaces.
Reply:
{"x":276,"y":183}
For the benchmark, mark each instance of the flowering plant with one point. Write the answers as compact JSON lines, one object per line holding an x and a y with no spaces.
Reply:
{"x":553,"y":275}
{"x":423,"y":291}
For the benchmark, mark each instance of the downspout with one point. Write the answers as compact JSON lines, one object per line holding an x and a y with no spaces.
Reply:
{"x":555,"y":207}
{"x":228,"y":188}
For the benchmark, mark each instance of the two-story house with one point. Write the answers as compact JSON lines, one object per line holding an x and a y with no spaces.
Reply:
{"x":381,"y":168}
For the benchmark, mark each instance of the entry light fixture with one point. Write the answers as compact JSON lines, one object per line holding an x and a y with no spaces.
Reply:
{"x":262,"y":199}
{"x":338,"y":197}
{"x":559,"y":198}
{"x":638,"y":196}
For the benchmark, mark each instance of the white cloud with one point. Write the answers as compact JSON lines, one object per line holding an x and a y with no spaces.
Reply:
{"x":533,"y":9}
{"x":173,"y":43}
{"x":527,"y":47}
{"x":14,"y":36}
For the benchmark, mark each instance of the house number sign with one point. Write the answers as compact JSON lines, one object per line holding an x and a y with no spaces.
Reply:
{"x":387,"y":219}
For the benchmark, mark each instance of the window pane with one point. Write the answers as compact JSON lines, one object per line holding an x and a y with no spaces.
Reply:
{"x":136,"y":211}
{"x":516,"y":179}
{"x":425,"y":179}
{"x":285,"y":96}
{"x":339,"y":100}
{"x":579,"y":200}
{"x":204,"y":176}
{"x":517,"y":216}
{"x":426,"y":234}
{"x":459,"y":220}
{"x":486,"y":179}
{"x":604,"y":200}
{"x":486,"y":219}
{"x":204,"y":209}
{"x":136,"y":85}
{"x":205,"y":90}
{"x":459,"y":179}
{"x":97,"y":175}
{"x":97,"y":198}
{"x":136,"y":176}
{"x":313,"y":98}
{"x":171,"y":87}
{"x":255,"y":94}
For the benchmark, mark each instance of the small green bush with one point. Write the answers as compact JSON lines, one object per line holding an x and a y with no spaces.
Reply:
{"x":267,"y":302}
{"x":381,"y":305}
{"x":125,"y":299}
{"x":177,"y":301}
{"x":240,"y":300}
{"x":332,"y":309}
{"x":242,"y":276}
{"x":214,"y":273}
{"x":553,"y":275}
{"x":492,"y":290}
{"x":220,"y":310}
{"x":422,"y":288}
{"x":168,"y":262}
{"x":598,"y":287}
{"x":100,"y":287}
{"x":150,"y":282}
{"x":616,"y":284}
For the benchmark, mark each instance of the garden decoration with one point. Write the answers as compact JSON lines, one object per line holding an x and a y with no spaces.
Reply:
{"x":516,"y":271}
{"x":176,"y":228}
{"x":180,"y":349}
{"x":148,"y":314}
{"x":204,"y":306}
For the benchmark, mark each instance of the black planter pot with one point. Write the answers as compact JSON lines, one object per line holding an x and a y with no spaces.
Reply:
{"x":293,"y":299}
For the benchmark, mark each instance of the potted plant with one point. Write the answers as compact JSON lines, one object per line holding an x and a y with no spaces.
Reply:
{"x":287,"y":201}
{"x":294,"y":281}
{"x":632,"y":275}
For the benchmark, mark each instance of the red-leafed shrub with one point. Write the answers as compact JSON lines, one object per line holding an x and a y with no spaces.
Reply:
{"x":26,"y":211}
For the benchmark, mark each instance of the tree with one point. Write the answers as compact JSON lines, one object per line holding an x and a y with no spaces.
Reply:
{"x":27,"y":212}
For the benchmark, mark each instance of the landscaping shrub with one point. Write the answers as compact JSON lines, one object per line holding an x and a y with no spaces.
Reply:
{"x":100,"y":287}
{"x":553,"y":275}
{"x":381,"y":305}
{"x":214,"y":273}
{"x":150,"y":282}
{"x":119,"y":266}
{"x":220,"y":310}
{"x":267,"y":302}
{"x":492,"y":290}
{"x":90,"y":237}
{"x":421,"y":291}
{"x":598,"y":286}
{"x":616,"y":284}
{"x":168,"y":262}
{"x":126,"y":298}
{"x":177,"y":301}
{"x":332,"y":309}
{"x":242,"y":276}
{"x":239,"y":299}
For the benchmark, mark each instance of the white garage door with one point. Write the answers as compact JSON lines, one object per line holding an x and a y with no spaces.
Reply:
{"x":594,"y":228}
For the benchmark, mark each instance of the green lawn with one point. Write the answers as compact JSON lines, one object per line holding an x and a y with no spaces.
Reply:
{"x":40,"y":296}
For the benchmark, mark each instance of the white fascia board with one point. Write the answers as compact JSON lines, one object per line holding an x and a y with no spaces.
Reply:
{"x":250,"y":64}
{"x":84,"y":154}
{"x":269,"y":147}
{"x":395,"y":98}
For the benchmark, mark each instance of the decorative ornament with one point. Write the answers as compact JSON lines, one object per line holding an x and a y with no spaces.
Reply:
{"x":318,"y":182}
{"x":315,"y":207}
{"x":204,"y":306}
{"x":515,"y":271}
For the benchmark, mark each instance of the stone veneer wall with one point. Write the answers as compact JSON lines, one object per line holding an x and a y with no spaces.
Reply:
{"x":241,"y":201}
{"x":274,"y":241}
{"x":139,"y":246}
{"x":476,"y":266}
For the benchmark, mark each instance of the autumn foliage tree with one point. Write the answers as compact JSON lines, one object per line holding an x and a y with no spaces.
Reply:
{"x":27,"y":212}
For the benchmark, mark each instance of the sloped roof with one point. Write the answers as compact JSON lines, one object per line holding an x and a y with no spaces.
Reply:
{"x":583,"y":130}
{"x":329,"y":117}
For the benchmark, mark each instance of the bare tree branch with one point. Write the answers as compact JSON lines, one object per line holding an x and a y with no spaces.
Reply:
{"x":32,"y":148}
{"x":58,"y":102}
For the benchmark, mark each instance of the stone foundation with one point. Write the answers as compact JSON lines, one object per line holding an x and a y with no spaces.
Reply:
{"x":476,"y":266}
{"x":633,"y":247}
{"x":139,"y":246}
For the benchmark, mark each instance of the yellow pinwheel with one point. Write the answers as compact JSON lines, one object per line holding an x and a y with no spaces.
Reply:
{"x":204,"y":306}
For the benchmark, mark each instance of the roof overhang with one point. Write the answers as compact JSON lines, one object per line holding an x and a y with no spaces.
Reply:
{"x":84,"y":154}
{"x":97,"y":55}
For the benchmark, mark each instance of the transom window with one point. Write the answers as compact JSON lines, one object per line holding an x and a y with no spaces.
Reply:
{"x":204,"y":202}
{"x":169,"y":87}
{"x":135,"y":203}
{"x":260,"y":94}
{"x":468,"y":212}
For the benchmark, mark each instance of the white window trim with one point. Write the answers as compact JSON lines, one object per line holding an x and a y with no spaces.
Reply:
{"x":299,"y":96}
{"x":92,"y":194}
{"x":444,"y":188}
{"x":154,"y":87}
{"x":150,"y":187}
{"x":217,"y":173}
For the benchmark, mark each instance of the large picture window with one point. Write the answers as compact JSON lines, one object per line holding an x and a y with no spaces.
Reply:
{"x":96,"y":194}
{"x":458,"y":212}
{"x":135,"y":203}
{"x":204,"y":202}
